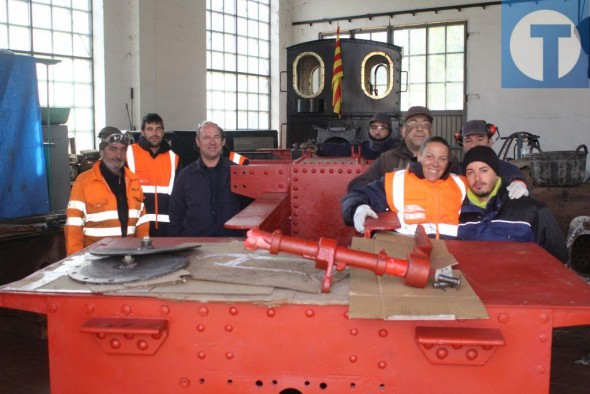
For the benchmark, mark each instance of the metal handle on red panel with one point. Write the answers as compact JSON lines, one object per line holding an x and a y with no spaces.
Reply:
{"x":327,"y":255}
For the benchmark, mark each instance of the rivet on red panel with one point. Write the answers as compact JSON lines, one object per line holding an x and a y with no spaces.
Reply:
{"x":442,"y":353}
{"x":456,"y":347}
{"x":201,"y":328}
{"x":340,"y":171}
{"x":295,"y":170}
{"x":281,"y":186}
{"x":541,"y":369}
{"x":503,"y":318}
{"x":295,"y":206}
{"x":142,"y":345}
{"x":229,"y":328}
{"x":313,"y":171}
{"x":164,"y":309}
{"x":271,"y":312}
{"x":305,"y":170}
{"x":543,"y":338}
{"x":126,"y":309}
{"x":203,"y":311}
{"x":358,"y":170}
{"x":128,"y":336}
{"x":280,"y":172}
{"x":544,"y":317}
{"x":346,"y":315}
{"x":201,"y":355}
{"x":349,"y":171}
{"x":251,"y":172}
{"x":233,"y":311}
{"x":383,"y":333}
{"x":89,"y":308}
{"x":322,"y":171}
{"x":184,"y":383}
{"x":471,"y":354}
{"x":295,"y":179}
{"x":295,"y":187}
{"x":52,"y":307}
{"x":353,"y":358}
{"x":382,"y":364}
{"x":309,"y":313}
{"x":229,"y":355}
{"x":331,"y":170}
{"x":265,"y":172}
{"x":101,"y":335}
{"x":115,"y":343}
{"x":354,"y":331}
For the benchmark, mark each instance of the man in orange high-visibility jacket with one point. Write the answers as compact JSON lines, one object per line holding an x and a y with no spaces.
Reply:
{"x":106,"y":201}
{"x":426,"y":193}
{"x":154,"y":163}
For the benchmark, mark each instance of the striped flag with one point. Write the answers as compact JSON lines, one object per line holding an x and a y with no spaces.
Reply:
{"x":238,"y":159}
{"x":337,"y":74}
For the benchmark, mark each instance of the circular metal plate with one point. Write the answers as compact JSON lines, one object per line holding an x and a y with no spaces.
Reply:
{"x":140,"y":251}
{"x":112,"y":270}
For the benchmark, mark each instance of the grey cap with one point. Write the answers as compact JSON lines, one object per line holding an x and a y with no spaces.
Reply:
{"x":475,"y":127}
{"x":418,"y":110}
{"x":112,"y":135}
{"x":381,"y":118}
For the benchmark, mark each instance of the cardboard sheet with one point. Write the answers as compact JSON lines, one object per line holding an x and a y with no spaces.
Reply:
{"x":386,"y":297}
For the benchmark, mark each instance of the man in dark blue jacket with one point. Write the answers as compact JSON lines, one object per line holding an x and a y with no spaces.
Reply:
{"x":488,"y":214}
{"x":202,"y":200}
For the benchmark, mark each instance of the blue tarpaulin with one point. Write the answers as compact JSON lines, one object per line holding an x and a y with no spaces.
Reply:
{"x":23,"y":180}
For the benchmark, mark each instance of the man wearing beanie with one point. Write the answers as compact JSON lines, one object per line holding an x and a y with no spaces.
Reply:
{"x":415,"y":130}
{"x":488,"y":214}
{"x":106,"y":201}
{"x":476,"y":133}
{"x":380,"y":137}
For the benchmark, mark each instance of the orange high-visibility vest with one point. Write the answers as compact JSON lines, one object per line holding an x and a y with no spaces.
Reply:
{"x":435,"y":205}
{"x":92,"y":210}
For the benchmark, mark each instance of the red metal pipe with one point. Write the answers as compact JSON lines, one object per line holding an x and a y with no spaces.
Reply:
{"x":327,"y":254}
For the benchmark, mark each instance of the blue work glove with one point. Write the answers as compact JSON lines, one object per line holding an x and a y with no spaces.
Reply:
{"x":517,"y":189}
{"x":360,"y":215}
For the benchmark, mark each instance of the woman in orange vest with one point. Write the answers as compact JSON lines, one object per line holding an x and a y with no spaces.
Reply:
{"x":424,"y":193}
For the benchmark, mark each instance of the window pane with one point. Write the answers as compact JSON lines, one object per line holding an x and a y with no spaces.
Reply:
{"x":42,"y":40}
{"x":61,"y":19}
{"x":230,"y":24}
{"x":3,"y":12}
{"x":252,"y":47}
{"x":252,"y":65}
{"x":217,"y":60}
{"x":436,"y":68}
{"x":242,"y":64}
{"x":63,"y":71}
{"x":82,"y":46}
{"x":18,"y":13}
{"x":263,"y":31}
{"x":216,"y":21}
{"x":363,"y":36}
{"x":436,"y":96}
{"x":417,"y":94}
{"x":454,"y":96}
{"x":81,"y":22}
{"x":19,"y":38}
{"x":83,"y":71}
{"x":242,"y":45}
{"x":42,"y":16}
{"x":417,"y":69}
{"x":417,"y":42}
{"x":264,"y":13}
{"x":401,"y":37}
{"x":230,"y":101}
{"x":83,"y":5}
{"x":253,"y":29}
{"x":217,"y":5}
{"x":83,"y":94}
{"x":230,"y":62}
{"x":64,"y":3}
{"x":62,"y":43}
{"x":456,"y":38}
{"x":455,"y":65}
{"x":380,"y":36}
{"x":230,"y":82}
{"x":3,"y":36}
{"x":436,"y":39}
{"x":229,"y":7}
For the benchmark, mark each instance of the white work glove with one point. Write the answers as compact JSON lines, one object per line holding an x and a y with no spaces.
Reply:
{"x":517,"y":189}
{"x":360,"y":215}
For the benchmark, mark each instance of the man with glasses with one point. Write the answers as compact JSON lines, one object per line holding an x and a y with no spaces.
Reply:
{"x":380,"y":137}
{"x":154,"y":163}
{"x":107,"y":200}
{"x":202,"y":200}
{"x":415,"y":130}
{"x":426,"y":193}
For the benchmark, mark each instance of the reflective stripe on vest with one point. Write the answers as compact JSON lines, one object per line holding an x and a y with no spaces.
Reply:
{"x":152,"y":217}
{"x":155,"y":189}
{"x":107,"y":231}
{"x":415,"y":212}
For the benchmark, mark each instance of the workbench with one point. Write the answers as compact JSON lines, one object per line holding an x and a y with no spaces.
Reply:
{"x":289,"y":342}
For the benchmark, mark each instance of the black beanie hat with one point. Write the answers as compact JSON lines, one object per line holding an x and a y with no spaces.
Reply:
{"x":484,"y":154}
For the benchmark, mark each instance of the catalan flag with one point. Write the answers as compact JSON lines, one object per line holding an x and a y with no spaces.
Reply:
{"x":337,"y":75}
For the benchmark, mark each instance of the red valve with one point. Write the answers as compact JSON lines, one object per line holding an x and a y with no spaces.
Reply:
{"x":415,"y":269}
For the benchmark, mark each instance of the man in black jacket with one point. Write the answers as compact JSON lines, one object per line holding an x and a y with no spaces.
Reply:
{"x":202,"y":200}
{"x":488,"y":214}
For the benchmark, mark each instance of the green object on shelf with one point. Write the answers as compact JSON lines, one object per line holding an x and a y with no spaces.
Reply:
{"x":54,"y":115}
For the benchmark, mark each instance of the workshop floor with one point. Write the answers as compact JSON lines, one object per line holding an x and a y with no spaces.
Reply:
{"x":25,"y":370}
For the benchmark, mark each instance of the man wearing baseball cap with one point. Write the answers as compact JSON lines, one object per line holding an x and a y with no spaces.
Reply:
{"x":106,"y":201}
{"x":488,"y":214}
{"x":477,"y":133}
{"x":416,"y":129}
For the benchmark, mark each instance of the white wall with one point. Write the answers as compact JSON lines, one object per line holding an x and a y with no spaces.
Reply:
{"x":560,"y":116}
{"x":156,"y":47}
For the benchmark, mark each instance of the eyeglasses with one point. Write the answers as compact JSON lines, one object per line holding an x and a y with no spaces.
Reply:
{"x":414,"y":124}
{"x":378,"y":128}
{"x":117,"y":138}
